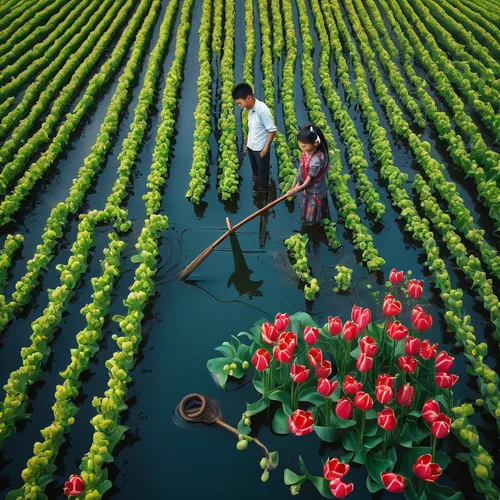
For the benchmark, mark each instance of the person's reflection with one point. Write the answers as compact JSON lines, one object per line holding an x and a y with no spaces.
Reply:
{"x":241,"y":275}
{"x":260,"y":200}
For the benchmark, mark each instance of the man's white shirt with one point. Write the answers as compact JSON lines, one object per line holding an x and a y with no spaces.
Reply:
{"x":260,"y":123}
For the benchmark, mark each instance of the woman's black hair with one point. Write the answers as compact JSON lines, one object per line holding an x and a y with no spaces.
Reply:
{"x":308,"y":136}
{"x":242,"y":91}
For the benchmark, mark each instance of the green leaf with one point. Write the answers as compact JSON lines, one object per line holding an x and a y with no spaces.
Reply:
{"x":355,"y":353}
{"x":310,"y":395}
{"x":343,"y":424}
{"x":371,"y":415}
{"x":115,"y":436}
{"x":463,"y":457}
{"x":289,"y":478}
{"x":440,"y":492}
{"x":215,"y":367}
{"x":350,"y":440}
{"x":418,"y":430}
{"x":328,"y":434}
{"x":405,"y":438}
{"x":360,"y":456}
{"x":371,"y":442}
{"x":302,"y":466}
{"x":254,"y":408}
{"x":117,"y":318}
{"x":227,"y":349}
{"x":275,"y":457}
{"x":136,"y":258}
{"x":104,"y":486}
{"x":280,"y":422}
{"x":259,"y":386}
{"x":281,"y":396}
{"x":322,"y":486}
{"x":373,"y":486}
{"x":375,"y":466}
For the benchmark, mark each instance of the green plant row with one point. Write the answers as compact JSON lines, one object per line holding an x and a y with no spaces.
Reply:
{"x":228,"y":161}
{"x":486,"y":187}
{"x":77,"y":67}
{"x":331,"y":233}
{"x":342,"y":278}
{"x":467,"y":34}
{"x":217,"y":27}
{"x":337,"y":182}
{"x":12,"y":243}
{"x":488,"y":380}
{"x":355,"y":149}
{"x":469,"y":264}
{"x":15,"y":11}
{"x":277,"y":23}
{"x":248,"y":60}
{"x":40,"y":467}
{"x":488,"y":18}
{"x":202,"y":114}
{"x":395,"y":78}
{"x":59,"y":215}
{"x":444,"y":78}
{"x":485,"y":4}
{"x":297,"y":246}
{"x":7,"y":7}
{"x":285,"y":160}
{"x":13,"y":201}
{"x":14,"y":57}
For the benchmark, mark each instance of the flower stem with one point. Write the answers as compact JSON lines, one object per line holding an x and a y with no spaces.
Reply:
{"x":384,"y":445}
{"x":361,"y":435}
{"x":450,"y":401}
{"x":434,"y":444}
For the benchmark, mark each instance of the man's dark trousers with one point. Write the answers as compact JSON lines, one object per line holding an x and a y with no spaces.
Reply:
{"x":260,"y":166}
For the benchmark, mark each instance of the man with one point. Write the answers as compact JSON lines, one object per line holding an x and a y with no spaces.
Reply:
{"x":261,"y":131}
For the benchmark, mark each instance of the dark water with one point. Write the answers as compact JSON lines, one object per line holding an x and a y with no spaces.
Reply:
{"x":244,"y":280}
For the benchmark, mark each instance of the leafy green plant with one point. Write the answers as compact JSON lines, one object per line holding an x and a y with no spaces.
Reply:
{"x":343,"y":278}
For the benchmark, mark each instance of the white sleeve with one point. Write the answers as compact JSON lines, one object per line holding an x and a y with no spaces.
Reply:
{"x":267,"y":120}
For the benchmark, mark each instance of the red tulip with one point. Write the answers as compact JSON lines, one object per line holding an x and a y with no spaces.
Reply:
{"x":395,"y":277}
{"x":311,"y":335}
{"x":407,"y":363}
{"x":315,"y":357}
{"x":420,"y":319}
{"x":269,"y":333}
{"x":288,"y":338}
{"x":391,"y":306}
{"x":368,"y":346}
{"x":261,"y":359}
{"x":426,"y":470}
{"x":430,"y":410}
{"x":299,"y":373}
{"x":363,"y":401}
{"x":396,"y":331}
{"x":334,"y":469}
{"x":281,"y":322}
{"x":412,"y":346}
{"x":343,"y":409}
{"x":364,"y":363}
{"x":405,"y":395}
{"x":393,"y":483}
{"x":444,"y":362}
{"x":384,"y":394}
{"x":301,"y":422}
{"x":386,"y":419}
{"x":415,"y":288}
{"x":361,"y":316}
{"x":350,"y":330}
{"x":446,"y":380}
{"x":326,"y":387}
{"x":334,"y":325}
{"x":340,"y":489}
{"x":324,"y":369}
{"x":440,"y":428}
{"x":384,"y":379}
{"x":282,"y":353}
{"x":427,"y":351}
{"x":350,"y":385}
{"x":74,"y":486}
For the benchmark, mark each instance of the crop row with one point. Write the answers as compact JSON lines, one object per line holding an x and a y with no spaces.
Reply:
{"x":249,"y":59}
{"x":277,"y":24}
{"x":12,"y":243}
{"x":487,"y":15}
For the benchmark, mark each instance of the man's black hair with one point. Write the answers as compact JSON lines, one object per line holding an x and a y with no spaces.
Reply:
{"x":242,"y":91}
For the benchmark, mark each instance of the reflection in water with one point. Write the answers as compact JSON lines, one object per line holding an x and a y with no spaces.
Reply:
{"x":260,"y":200}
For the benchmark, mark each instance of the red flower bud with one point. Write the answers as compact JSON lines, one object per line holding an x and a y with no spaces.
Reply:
{"x":420,"y":319}
{"x":384,"y":379}
{"x":281,"y":322}
{"x":334,"y":469}
{"x":393,"y":483}
{"x":311,"y":335}
{"x":412,"y":346}
{"x":391,"y":306}
{"x":350,"y":330}
{"x":282,"y":353}
{"x":407,"y":363}
{"x":324,"y":369}
{"x":288,"y":338}
{"x":299,"y":373}
{"x":430,"y":410}
{"x":74,"y":486}
{"x":269,"y":333}
{"x":396,"y":331}
{"x":343,"y":409}
{"x":444,"y":362}
{"x":315,"y":357}
{"x":405,"y":395}
{"x":301,"y":422}
{"x":350,"y":385}
{"x":395,"y":277}
{"x":386,"y":419}
{"x":363,"y":401}
{"x":446,"y":380}
{"x":361,"y":317}
{"x":368,"y":346}
{"x":340,"y":489}
{"x":261,"y":359}
{"x":364,"y":363}
{"x":427,"y":351}
{"x":384,"y":393}
{"x":415,"y":288}
{"x":440,"y":427}
{"x":334,"y":325}
{"x":326,"y":388}
{"x":426,"y":470}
